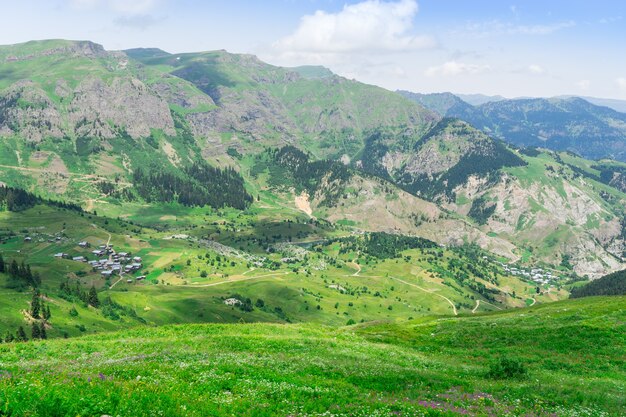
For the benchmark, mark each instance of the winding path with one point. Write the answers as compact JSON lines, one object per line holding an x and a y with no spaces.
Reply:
{"x":428,"y":291}
{"x":358,"y":268}
{"x":232,"y":281}
{"x":476,"y":308}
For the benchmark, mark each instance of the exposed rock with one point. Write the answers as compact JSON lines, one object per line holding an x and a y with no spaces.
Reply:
{"x":25,"y":108}
{"x":125,"y":102}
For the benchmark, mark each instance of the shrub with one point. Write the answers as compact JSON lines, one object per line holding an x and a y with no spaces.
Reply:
{"x":507,"y":368}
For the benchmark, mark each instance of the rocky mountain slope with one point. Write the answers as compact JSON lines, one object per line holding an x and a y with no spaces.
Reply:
{"x":102,"y":128}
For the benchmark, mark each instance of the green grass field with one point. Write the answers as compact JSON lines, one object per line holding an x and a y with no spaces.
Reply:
{"x":568,"y":361}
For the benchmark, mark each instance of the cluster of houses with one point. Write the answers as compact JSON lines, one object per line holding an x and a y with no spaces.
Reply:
{"x":51,"y":239}
{"x":537,"y":275}
{"x":108,"y":261}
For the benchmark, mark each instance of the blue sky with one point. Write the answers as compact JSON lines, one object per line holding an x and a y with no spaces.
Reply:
{"x":511,"y":48}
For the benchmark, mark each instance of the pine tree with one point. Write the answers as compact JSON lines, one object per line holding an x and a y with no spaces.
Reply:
{"x":46,"y":313}
{"x":21,"y":335}
{"x":14,"y":269}
{"x":28,"y":275}
{"x":92,"y":298}
{"x":36,"y":331}
{"x":1,"y":263}
{"x":35,"y":305}
{"x":8,"y":337}
{"x":36,"y":279}
{"x":42,"y":331}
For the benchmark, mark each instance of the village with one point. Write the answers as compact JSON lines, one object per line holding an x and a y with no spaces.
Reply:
{"x":109,"y":262}
{"x":538,"y":275}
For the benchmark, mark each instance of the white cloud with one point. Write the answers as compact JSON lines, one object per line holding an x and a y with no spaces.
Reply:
{"x":137,"y":21}
{"x":540,"y":29}
{"x":536,"y":69}
{"x":120,"y":6}
{"x":583,"y":84}
{"x":497,"y":27}
{"x":366,"y":27}
{"x":621,"y":83}
{"x":452,"y":68}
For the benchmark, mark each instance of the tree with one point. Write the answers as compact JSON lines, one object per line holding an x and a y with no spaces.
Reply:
{"x":14,"y":269}
{"x":92,"y":298}
{"x":260,"y":303}
{"x":8,"y":337}
{"x":1,"y":263}
{"x":21,"y":335}
{"x":46,"y":313}
{"x":35,"y":305}
{"x":42,"y":331}
{"x":36,"y":331}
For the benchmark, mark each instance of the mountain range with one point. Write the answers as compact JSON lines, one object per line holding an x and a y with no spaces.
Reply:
{"x":106,"y":128}
{"x":561,"y":123}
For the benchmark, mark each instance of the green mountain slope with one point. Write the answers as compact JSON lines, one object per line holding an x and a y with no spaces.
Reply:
{"x":432,"y":367}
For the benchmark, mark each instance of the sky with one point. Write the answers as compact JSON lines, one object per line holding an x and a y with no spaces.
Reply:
{"x":517,"y":48}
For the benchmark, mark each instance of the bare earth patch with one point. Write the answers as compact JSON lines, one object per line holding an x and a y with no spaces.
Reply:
{"x":303,"y":204}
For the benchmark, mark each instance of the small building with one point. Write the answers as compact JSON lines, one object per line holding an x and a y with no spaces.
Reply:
{"x":84,"y":244}
{"x":28,"y":239}
{"x":140,"y":278}
{"x":79,"y":259}
{"x":61,"y":255}
{"x":98,"y":252}
{"x":232,"y":302}
{"x":106,"y":273}
{"x":129,"y":281}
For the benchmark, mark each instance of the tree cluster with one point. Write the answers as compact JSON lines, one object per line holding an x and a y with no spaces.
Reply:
{"x":196,"y":185}
{"x":77,"y":293}
{"x":15,"y":199}
{"x":383,"y":245}
{"x":21,"y":276}
{"x":611,"y":284}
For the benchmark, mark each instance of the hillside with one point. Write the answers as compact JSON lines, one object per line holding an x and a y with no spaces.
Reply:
{"x":612,"y":284}
{"x":433,"y":366}
{"x":550,"y":206}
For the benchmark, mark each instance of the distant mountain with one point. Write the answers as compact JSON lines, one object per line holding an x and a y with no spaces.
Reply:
{"x":478,"y":99}
{"x":441,"y":103}
{"x":617,"y":105}
{"x":562,"y":124}
{"x":571,"y":124}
